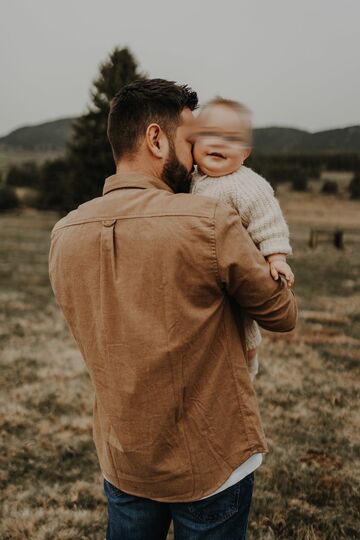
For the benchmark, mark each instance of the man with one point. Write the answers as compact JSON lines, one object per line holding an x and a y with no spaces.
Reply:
{"x":147,"y":277}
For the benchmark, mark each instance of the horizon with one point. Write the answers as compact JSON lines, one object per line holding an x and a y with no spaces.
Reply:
{"x":273,"y":126}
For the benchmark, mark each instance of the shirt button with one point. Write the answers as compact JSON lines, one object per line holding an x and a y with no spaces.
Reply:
{"x":109,"y":222}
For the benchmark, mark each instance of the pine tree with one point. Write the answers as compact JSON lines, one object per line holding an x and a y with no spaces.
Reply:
{"x":88,"y":153}
{"x":55,"y":190}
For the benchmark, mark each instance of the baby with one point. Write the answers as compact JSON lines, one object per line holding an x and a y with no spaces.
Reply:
{"x":222,"y":144}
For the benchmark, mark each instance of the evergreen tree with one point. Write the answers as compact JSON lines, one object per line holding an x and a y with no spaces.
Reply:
{"x":89,"y":154}
{"x":23,"y":175}
{"x":55,"y":190}
{"x":8,"y":198}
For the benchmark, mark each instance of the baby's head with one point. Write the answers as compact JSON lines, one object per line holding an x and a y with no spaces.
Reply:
{"x":224,"y":138}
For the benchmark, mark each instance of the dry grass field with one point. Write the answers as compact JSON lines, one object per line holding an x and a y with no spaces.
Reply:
{"x":308,"y":387}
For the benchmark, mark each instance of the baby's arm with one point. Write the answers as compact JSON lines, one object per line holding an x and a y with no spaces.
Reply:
{"x":262,"y":215}
{"x":252,"y":333}
{"x":252,"y":340}
{"x":266,"y":223}
{"x":253,"y":363}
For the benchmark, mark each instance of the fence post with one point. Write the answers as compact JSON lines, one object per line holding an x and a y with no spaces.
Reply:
{"x":339,"y":239}
{"x":313,"y":238}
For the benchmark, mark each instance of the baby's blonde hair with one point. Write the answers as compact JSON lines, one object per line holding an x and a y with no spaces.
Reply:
{"x":236,"y":106}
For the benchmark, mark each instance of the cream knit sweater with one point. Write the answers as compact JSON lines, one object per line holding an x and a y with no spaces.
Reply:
{"x":253,"y":198}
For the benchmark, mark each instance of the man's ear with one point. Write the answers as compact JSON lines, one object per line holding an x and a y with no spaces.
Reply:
{"x":156,"y":141}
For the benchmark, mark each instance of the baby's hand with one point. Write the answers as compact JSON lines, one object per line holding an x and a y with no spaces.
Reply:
{"x":281,"y":267}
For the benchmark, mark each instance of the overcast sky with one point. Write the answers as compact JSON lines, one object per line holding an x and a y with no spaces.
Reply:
{"x":293,"y":62}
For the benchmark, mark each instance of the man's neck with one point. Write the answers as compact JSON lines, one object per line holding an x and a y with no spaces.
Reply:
{"x":126,"y":167}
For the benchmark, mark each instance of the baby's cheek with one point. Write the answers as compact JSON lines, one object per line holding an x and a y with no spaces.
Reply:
{"x":197,"y":153}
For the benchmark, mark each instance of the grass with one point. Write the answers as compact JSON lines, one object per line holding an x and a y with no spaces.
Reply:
{"x":309,"y":485}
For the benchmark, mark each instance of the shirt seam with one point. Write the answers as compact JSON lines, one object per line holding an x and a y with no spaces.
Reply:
{"x":109,"y":218}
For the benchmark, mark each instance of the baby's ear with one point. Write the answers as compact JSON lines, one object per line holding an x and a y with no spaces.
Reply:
{"x":248,"y":152}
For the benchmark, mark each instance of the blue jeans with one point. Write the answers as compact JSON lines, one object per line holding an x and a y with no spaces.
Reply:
{"x":219,"y":517}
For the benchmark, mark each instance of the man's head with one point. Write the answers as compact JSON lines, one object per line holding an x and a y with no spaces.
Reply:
{"x":224,"y":137}
{"x":149,"y":123}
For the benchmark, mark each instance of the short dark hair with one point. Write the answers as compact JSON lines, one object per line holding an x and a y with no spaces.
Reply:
{"x":140,"y":103}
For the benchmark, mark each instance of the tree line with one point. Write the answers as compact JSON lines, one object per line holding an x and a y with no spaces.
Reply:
{"x":64,"y":183}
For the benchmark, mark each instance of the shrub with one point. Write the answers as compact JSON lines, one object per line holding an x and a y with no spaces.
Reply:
{"x":342,"y":161}
{"x":8,"y":198}
{"x":354,"y":187}
{"x":265,"y":172}
{"x":56,"y":190}
{"x":299,"y":181}
{"x":25,"y":175}
{"x":282,"y":173}
{"x":330,"y":187}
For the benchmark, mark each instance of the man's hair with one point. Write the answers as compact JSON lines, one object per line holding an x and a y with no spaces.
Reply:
{"x":141,"y":103}
{"x":236,"y":106}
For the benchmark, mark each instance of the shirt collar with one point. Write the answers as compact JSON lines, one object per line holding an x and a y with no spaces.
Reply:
{"x":134,"y":180}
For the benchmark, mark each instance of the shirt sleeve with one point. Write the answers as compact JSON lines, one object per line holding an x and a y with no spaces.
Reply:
{"x":244,"y":274}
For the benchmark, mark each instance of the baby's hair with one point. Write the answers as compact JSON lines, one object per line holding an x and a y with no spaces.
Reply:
{"x":234,"y":106}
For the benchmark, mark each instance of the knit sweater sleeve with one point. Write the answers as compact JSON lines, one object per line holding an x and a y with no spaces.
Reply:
{"x":252,"y":334}
{"x":262,"y":214}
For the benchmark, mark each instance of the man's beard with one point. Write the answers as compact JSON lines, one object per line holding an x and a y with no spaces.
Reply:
{"x":175,"y":174}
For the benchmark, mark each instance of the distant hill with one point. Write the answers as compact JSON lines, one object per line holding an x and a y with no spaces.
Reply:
{"x":279,"y":140}
{"x":46,"y":136}
{"x":269,"y":140}
{"x":346,"y":139}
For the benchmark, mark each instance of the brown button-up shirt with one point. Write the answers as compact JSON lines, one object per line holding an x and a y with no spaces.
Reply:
{"x":149,"y":282}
